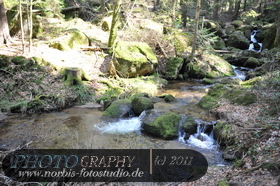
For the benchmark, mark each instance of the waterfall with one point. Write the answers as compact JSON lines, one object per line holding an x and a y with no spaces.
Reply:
{"x":255,"y":45}
{"x":241,"y":72}
{"x":200,"y":139}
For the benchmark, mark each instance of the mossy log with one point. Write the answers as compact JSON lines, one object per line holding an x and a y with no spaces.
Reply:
{"x":74,"y":76}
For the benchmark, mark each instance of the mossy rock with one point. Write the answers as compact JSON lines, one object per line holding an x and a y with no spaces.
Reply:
{"x":182,"y":41}
{"x":190,"y":125}
{"x":140,"y":104}
{"x":119,"y":109}
{"x":213,"y":27}
{"x":252,"y":62}
{"x":208,"y":81}
{"x":219,"y":44}
{"x":251,"y":82}
{"x":223,"y":133}
{"x":169,"y":98}
{"x":19,"y":60}
{"x":238,"y":40}
{"x":173,"y":67}
{"x":211,"y":99}
{"x":241,"y":96}
{"x":209,"y":66}
{"x":134,"y":59}
{"x":269,"y":36}
{"x":41,"y":61}
{"x":237,"y":23}
{"x":74,"y":40}
{"x":164,"y":126}
{"x":231,"y":81}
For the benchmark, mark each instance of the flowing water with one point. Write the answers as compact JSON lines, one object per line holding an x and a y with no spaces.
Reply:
{"x":84,"y":128}
{"x":255,"y":45}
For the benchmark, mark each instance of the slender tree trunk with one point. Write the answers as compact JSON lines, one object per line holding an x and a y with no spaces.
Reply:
{"x":245,"y":5}
{"x":21,"y":26}
{"x":174,"y":2}
{"x":277,"y":38}
{"x":102,"y":7}
{"x":5,"y":37}
{"x":30,"y":25}
{"x":198,"y":2}
{"x":237,"y":9}
{"x":114,"y":25}
{"x":216,"y":10}
{"x":184,"y":14}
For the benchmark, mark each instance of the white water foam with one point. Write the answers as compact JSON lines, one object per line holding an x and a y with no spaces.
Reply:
{"x":123,"y":126}
{"x":202,"y":140}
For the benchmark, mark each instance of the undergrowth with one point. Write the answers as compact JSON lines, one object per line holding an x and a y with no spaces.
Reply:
{"x":27,"y":87}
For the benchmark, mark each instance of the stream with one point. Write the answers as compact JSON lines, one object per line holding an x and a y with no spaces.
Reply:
{"x":85,"y":128}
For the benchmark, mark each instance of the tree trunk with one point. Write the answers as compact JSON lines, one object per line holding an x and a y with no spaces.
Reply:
{"x":237,"y":8}
{"x":198,"y":2}
{"x":21,"y":26}
{"x":245,"y":5}
{"x":5,"y":37}
{"x":114,"y":25}
{"x":277,"y":38}
{"x":216,"y":10}
{"x":73,"y":76}
{"x":30,"y":25}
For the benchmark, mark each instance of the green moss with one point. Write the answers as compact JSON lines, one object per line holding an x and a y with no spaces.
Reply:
{"x":190,"y":125}
{"x":4,"y":61}
{"x":251,"y":82}
{"x":166,"y":125}
{"x":208,"y":81}
{"x":139,"y":104}
{"x":117,"y":108}
{"x":19,"y":60}
{"x":74,"y":40}
{"x":237,"y":23}
{"x":134,"y":59}
{"x":223,"y":183}
{"x":208,"y":102}
{"x":241,"y":97}
{"x":211,"y":99}
{"x":169,"y":98}
{"x":222,"y":133}
{"x":252,"y":62}
{"x":173,"y":67}
{"x":182,"y":41}
{"x":131,"y":51}
{"x":209,"y":66}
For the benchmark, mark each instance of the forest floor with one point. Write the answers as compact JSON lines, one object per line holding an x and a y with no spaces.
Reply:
{"x":95,"y":63}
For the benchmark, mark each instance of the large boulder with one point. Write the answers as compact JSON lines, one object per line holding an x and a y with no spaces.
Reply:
{"x":164,"y":125}
{"x":134,"y":59}
{"x":173,"y":67}
{"x":139,"y":104}
{"x":238,"y":40}
{"x":269,"y":36}
{"x":118,"y":109}
{"x":209,"y":66}
{"x":190,"y":125}
{"x":73,"y":40}
{"x":213,"y":27}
